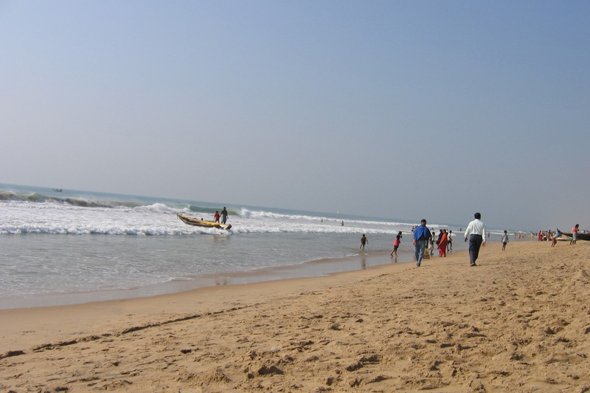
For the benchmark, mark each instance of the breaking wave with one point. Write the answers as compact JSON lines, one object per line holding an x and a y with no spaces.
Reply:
{"x":37,"y":211}
{"x":82,"y":202}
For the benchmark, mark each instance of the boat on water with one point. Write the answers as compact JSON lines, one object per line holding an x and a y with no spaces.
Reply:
{"x":199,"y":222}
{"x":580,"y":236}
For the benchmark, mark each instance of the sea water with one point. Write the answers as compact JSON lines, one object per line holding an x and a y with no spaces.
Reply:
{"x":65,"y":246}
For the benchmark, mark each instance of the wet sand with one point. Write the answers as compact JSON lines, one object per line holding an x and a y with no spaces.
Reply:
{"x":518,"y":322}
{"x":314,"y":268}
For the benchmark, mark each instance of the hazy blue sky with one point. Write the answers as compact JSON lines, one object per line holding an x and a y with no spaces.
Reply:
{"x":400,"y":109}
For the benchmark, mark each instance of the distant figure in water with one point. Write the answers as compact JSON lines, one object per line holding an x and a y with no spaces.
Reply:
{"x":396,"y":243}
{"x":342,"y":224}
{"x":364,"y":241}
{"x":224,"y":215}
{"x":216,"y":216}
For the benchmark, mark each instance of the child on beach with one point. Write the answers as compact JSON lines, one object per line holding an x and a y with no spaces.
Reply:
{"x":396,"y":243}
{"x":504,"y":240}
{"x":430,"y":247}
{"x":554,"y":240}
{"x":450,"y":241}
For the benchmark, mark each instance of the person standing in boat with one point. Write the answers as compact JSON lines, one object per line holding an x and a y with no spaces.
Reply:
{"x":224,"y":215}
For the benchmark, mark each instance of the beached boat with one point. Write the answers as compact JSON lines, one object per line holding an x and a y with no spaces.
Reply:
{"x":581,"y":236}
{"x":199,"y":222}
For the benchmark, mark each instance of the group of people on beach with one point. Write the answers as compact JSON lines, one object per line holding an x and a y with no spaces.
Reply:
{"x":475,"y":234}
{"x":443,"y":242}
{"x":550,"y":236}
{"x":553,"y":236}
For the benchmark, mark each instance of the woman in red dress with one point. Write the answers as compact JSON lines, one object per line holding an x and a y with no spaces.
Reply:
{"x":442,"y":243}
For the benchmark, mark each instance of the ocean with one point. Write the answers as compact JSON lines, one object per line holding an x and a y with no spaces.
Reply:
{"x":66,"y":247}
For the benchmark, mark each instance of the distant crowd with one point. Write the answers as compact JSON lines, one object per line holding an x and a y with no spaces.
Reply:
{"x":475,"y":234}
{"x":554,"y":236}
{"x":424,"y":240}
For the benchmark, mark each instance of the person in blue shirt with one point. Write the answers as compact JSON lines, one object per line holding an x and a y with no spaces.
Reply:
{"x":421,"y":236}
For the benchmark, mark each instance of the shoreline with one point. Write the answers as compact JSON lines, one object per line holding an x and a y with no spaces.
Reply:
{"x":517,"y":321}
{"x":170,"y":304}
{"x":315,"y":268}
{"x":186,"y":280}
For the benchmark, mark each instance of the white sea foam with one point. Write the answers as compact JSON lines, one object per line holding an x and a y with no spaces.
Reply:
{"x":75,"y":242}
{"x":55,"y":217}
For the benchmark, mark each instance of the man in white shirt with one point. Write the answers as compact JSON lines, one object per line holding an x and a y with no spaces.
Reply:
{"x":476,"y":234}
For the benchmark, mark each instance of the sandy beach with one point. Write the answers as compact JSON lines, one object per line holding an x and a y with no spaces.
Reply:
{"x":519,"y":322}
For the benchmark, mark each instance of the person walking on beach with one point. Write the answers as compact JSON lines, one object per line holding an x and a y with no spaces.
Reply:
{"x":224,"y":215}
{"x":557,"y":234}
{"x":396,"y":243}
{"x":553,"y":239}
{"x":450,"y":241}
{"x":476,"y":234}
{"x":364,"y":242}
{"x":442,"y":243}
{"x":430,"y":246}
{"x":575,"y":231}
{"x":421,"y":237}
{"x":504,"y":240}
{"x":438,"y":237}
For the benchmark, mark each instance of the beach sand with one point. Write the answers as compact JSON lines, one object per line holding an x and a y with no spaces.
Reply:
{"x":519,"y":322}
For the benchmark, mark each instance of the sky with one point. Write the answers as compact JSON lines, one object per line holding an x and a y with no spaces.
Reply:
{"x":393,"y":109}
